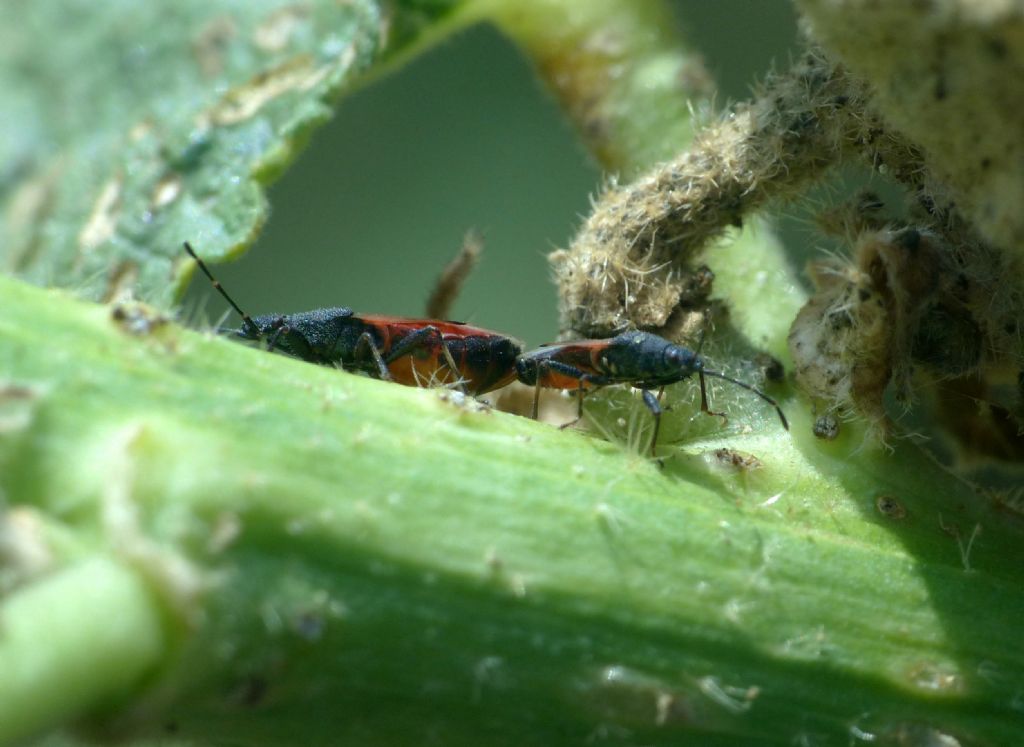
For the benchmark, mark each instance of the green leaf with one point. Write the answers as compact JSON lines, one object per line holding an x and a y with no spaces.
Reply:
{"x":130,"y":127}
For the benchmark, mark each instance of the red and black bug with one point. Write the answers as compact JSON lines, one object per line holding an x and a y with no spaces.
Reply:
{"x":414,"y":352}
{"x":640,"y":359}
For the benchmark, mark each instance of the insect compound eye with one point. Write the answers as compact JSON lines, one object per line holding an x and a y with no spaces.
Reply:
{"x":674,"y":356}
{"x":679,"y":358}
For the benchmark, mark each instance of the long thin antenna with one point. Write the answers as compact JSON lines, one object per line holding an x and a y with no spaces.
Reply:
{"x":247,"y":321}
{"x":758,"y":392}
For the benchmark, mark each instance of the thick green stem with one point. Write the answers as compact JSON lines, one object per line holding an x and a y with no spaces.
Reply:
{"x":340,"y":559}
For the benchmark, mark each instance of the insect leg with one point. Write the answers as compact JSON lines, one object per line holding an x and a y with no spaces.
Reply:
{"x":280,"y":328}
{"x":655,"y":407}
{"x":543,"y":367}
{"x":450,"y":362}
{"x":583,"y":379}
{"x":581,"y":392}
{"x":365,"y":344}
{"x":536,"y":395}
{"x":704,"y":400}
{"x":426,"y":338}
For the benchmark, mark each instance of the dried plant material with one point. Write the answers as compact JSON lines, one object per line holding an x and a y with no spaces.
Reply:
{"x":631,"y":262}
{"x":909,"y":303}
{"x":449,"y":283}
{"x":840,"y":342}
{"x":949,"y":75}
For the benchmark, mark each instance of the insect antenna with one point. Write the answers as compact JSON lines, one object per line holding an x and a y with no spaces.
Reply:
{"x":247,"y":322}
{"x":755,"y":390}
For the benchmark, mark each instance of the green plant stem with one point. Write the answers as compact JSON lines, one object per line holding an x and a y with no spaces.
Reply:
{"x":340,"y":559}
{"x":73,"y":641}
{"x":619,"y":69}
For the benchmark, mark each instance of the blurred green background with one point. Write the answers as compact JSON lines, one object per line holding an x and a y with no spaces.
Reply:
{"x":463,"y":137}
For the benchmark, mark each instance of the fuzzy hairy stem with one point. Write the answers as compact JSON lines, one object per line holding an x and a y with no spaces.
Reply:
{"x":318,"y":557}
{"x":630,"y":262}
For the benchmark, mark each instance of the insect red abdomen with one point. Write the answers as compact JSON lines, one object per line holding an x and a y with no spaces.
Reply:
{"x":484,"y":360}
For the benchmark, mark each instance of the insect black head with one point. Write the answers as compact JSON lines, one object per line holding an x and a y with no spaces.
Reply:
{"x":526,"y":369}
{"x":260,"y":327}
{"x":682,"y":360}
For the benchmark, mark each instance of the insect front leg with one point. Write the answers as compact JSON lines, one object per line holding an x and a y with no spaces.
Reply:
{"x":294,"y":345}
{"x":704,"y":400}
{"x":280,"y":327}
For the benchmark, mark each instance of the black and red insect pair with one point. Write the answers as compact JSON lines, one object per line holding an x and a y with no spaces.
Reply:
{"x":418,"y":352}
